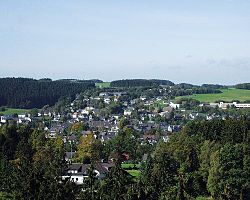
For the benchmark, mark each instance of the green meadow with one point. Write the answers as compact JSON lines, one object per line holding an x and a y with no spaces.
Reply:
{"x":227,"y":95}
{"x":11,"y":111}
{"x":130,"y":165}
{"x":103,"y":85}
{"x":133,"y":172}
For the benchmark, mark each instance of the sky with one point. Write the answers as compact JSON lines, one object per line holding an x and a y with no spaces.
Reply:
{"x":194,"y":41}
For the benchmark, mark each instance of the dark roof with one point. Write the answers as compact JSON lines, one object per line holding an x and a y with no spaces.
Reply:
{"x":69,"y":154}
{"x":83,"y":168}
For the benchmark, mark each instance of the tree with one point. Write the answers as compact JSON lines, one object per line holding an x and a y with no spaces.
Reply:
{"x":227,"y":177}
{"x":116,"y":184}
{"x":160,"y":173}
{"x":84,"y":148}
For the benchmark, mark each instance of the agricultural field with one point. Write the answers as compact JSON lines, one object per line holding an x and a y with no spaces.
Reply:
{"x":103,"y":85}
{"x":11,"y":111}
{"x":227,"y":95}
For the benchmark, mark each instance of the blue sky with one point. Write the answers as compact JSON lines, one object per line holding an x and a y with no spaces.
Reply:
{"x":195,"y":41}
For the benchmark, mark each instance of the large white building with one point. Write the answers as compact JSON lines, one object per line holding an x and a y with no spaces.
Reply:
{"x":235,"y":104}
{"x":241,"y":105}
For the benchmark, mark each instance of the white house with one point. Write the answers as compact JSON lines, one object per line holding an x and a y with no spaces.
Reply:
{"x":21,"y":116}
{"x":174,"y":105}
{"x":75,"y":115}
{"x":127,"y":112}
{"x":3,"y":119}
{"x":107,"y":100}
{"x":77,"y":172}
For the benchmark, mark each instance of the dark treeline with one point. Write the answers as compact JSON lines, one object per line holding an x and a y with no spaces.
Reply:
{"x":163,"y":82}
{"x":139,"y":83}
{"x":176,"y":91}
{"x":186,"y":86}
{"x":207,"y":86}
{"x":245,"y":86}
{"x":215,"y":86}
{"x":81,"y":81}
{"x":31,"y":93}
{"x":204,"y":90}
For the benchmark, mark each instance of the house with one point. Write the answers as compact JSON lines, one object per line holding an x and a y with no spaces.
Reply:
{"x":104,"y":94}
{"x":21,"y":116}
{"x":174,"y":105}
{"x":170,"y":129}
{"x":104,"y":136}
{"x":4,"y":119}
{"x":107,"y":100}
{"x":165,"y":114}
{"x":150,"y":138}
{"x":143,"y":98}
{"x":223,"y":105}
{"x":127,"y":112}
{"x":77,"y":172}
{"x":24,"y":120}
{"x":75,"y":115}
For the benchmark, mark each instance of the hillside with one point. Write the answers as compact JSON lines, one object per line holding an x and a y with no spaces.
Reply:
{"x":227,"y":95}
{"x":31,"y":93}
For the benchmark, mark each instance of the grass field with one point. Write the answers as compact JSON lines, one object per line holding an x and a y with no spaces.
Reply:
{"x":11,"y":111}
{"x":129,"y":168}
{"x":226,"y":95}
{"x":129,"y":165}
{"x":103,"y":85}
{"x":135,"y":173}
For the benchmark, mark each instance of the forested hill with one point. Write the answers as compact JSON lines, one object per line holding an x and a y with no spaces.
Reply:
{"x":245,"y":86}
{"x":140,"y":83}
{"x":31,"y":93}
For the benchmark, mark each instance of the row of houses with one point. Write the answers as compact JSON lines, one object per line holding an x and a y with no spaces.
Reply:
{"x":20,"y":119}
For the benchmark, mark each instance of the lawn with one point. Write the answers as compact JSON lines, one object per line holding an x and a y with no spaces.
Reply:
{"x":103,"y":85}
{"x":135,"y":173}
{"x":130,"y":165}
{"x":11,"y":111}
{"x":132,"y":169}
{"x":226,"y":95}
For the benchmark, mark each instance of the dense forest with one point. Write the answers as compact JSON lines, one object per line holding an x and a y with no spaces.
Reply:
{"x":178,"y":91}
{"x":31,"y":93}
{"x":214,"y":86}
{"x":245,"y":86}
{"x":140,"y":83}
{"x":207,"y":160}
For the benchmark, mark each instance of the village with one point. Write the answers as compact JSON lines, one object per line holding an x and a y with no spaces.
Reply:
{"x":154,"y":119}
